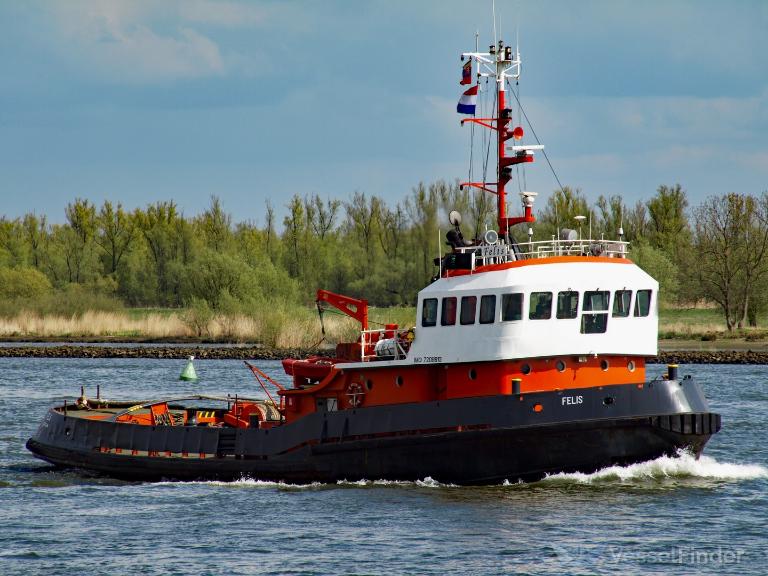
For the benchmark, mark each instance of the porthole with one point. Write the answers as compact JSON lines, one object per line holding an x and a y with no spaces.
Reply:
{"x":538,"y":407}
{"x":631,"y":366}
{"x":472,"y":374}
{"x":525,"y":369}
{"x":608,"y":400}
{"x":560,"y":366}
{"x":369,"y":384}
{"x":603,"y":365}
{"x":399,"y":381}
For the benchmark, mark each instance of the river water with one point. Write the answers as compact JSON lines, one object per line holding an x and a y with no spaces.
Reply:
{"x":668,"y":516}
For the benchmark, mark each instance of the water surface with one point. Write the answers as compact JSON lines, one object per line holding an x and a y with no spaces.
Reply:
{"x":669,"y":516}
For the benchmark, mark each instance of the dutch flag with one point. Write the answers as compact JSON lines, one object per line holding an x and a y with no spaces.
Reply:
{"x":468,"y":101}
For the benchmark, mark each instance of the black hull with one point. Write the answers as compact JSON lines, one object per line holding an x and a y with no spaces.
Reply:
{"x":463,"y":441}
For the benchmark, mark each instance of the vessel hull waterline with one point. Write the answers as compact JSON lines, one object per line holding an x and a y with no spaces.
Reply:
{"x":462,"y":441}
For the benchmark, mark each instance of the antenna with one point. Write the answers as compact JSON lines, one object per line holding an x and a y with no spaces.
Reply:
{"x":621,"y":224}
{"x":500,"y":64}
{"x":440,"y":251}
{"x":517,"y":32}
{"x":495,"y":37}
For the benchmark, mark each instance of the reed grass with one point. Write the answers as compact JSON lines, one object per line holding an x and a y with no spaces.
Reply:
{"x":277,"y":327}
{"x":686,"y":328}
{"x":283,"y":326}
{"x":93,"y":323}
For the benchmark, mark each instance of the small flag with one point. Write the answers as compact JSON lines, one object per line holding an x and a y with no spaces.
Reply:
{"x":466,"y":73}
{"x":468,"y":101}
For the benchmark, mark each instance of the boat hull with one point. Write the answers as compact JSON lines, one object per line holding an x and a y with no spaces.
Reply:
{"x":464,"y":441}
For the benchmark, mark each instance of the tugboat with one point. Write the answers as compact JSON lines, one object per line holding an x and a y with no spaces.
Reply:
{"x":526,"y":359}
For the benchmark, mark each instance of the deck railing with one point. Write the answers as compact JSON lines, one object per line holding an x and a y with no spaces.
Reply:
{"x":499,"y":253}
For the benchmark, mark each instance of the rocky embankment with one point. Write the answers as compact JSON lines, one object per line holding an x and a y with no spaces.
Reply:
{"x":711,"y":357}
{"x":164,"y":352}
{"x":261,"y":353}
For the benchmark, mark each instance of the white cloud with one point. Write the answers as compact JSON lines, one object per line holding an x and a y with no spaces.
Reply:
{"x":229,"y":14}
{"x":704,"y":118}
{"x":138,"y":41}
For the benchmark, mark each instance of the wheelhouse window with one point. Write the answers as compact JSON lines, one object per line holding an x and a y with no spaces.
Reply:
{"x":429,"y":312}
{"x":512,"y":307}
{"x":448,"y":316}
{"x":487,"y":309}
{"x":594,"y":317}
{"x":567,"y":305}
{"x":540,"y":306}
{"x":643,"y":303}
{"x":468,"y":309}
{"x":621,"y":300}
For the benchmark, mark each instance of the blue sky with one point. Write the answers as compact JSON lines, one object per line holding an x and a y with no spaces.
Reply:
{"x":138,"y":101}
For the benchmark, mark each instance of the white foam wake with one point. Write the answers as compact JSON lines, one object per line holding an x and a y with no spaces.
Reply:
{"x":427,"y":482}
{"x":242,"y":483}
{"x":684,"y":465}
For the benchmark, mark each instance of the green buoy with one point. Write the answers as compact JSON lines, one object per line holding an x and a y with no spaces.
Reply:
{"x":189,"y":373}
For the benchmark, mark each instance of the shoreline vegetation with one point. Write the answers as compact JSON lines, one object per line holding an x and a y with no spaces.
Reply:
{"x":155,"y":275}
{"x":295,"y":327}
{"x":242,"y":352}
{"x":695,"y":335}
{"x":299,"y":327}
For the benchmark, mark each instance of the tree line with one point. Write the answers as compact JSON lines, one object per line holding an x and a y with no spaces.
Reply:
{"x":365,"y":246}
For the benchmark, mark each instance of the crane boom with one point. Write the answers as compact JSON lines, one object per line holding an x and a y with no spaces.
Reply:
{"x":352,"y":307}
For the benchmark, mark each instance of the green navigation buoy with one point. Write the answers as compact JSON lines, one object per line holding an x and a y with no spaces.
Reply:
{"x":189,"y":373}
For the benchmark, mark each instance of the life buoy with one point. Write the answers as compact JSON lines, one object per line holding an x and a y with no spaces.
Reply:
{"x":355,"y":394}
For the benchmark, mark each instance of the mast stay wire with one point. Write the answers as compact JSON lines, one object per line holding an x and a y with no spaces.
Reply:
{"x":488,"y":148}
{"x":472,"y":132}
{"x":546,"y":157}
{"x":521,"y":185}
{"x":537,"y":139}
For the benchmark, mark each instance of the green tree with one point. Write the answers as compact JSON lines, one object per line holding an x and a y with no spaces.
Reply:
{"x":636,"y":223}
{"x":216,"y":226}
{"x":295,"y":237}
{"x":35,"y":235}
{"x":668,"y":226}
{"x":12,"y":251}
{"x":612,"y":212}
{"x":23,"y":283}
{"x":114,"y":234}
{"x":426,"y":233}
{"x":321,"y":215}
{"x":659,"y":265}
{"x":77,"y":240}
{"x":160,"y":225}
{"x":731,"y":240}
{"x":363,"y":220}
{"x":560,"y":213}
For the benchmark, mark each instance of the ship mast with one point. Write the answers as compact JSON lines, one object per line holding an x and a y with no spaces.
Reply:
{"x":502,"y":63}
